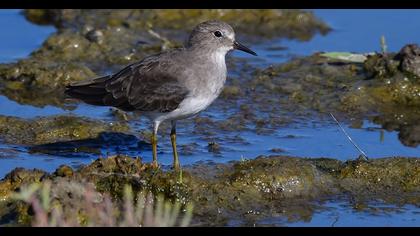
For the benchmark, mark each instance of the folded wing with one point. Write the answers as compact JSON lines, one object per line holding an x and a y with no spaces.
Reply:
{"x":144,"y":86}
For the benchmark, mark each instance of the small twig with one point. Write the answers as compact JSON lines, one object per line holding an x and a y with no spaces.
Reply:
{"x":351,"y":140}
{"x":335,"y":221}
{"x":384,"y":47}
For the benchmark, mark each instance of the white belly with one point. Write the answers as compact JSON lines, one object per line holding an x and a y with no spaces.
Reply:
{"x":187,"y":108}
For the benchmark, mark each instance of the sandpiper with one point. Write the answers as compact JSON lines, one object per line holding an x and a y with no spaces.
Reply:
{"x":171,"y":85}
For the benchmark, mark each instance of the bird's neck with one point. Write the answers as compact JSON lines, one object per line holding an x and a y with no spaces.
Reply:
{"x":212,"y":64}
{"x":212,"y":57}
{"x":204,"y":52}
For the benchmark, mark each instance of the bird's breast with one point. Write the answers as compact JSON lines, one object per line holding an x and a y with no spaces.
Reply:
{"x":190,"y":106}
{"x":206,"y":78}
{"x":216,"y":74}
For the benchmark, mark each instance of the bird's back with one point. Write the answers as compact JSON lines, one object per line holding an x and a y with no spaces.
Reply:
{"x":149,"y":85}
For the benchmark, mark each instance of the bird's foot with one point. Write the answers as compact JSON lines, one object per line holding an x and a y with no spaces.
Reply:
{"x":155,"y":165}
{"x":176,"y":167}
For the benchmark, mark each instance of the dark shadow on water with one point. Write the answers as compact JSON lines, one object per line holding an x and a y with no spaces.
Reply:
{"x":106,"y":143}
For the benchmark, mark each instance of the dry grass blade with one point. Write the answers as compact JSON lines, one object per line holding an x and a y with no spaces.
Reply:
{"x":363,"y":154}
{"x":88,"y":207}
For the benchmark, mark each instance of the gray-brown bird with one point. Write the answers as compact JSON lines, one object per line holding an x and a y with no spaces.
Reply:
{"x":171,"y":85}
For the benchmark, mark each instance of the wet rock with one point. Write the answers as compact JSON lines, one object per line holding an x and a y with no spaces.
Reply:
{"x":285,"y":176}
{"x":188,"y":149}
{"x":236,"y":122}
{"x":120,"y":164}
{"x":231,"y":91}
{"x":40,"y":82}
{"x":380,"y":66}
{"x":410,"y":135}
{"x":53,"y":129}
{"x":389,"y":179}
{"x":213,"y":147}
{"x":247,"y":190}
{"x":17,"y":178}
{"x":277,"y":150}
{"x":314,"y":86}
{"x":95,"y":36}
{"x":121,"y":115}
{"x":43,"y":17}
{"x":63,"y":171}
{"x":406,"y":61}
{"x":287,"y":23}
{"x":409,"y":57}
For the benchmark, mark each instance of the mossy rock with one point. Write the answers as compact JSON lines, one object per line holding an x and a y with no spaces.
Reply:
{"x":281,"y":175}
{"x":17,"y":178}
{"x":396,"y":174}
{"x":247,"y":190}
{"x":53,"y":129}
{"x":298,"y":24}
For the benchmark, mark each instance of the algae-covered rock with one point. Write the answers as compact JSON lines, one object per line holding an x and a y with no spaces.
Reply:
{"x":38,"y":82}
{"x":17,"y":178}
{"x":290,"y":177}
{"x":377,"y":89}
{"x":409,"y":57}
{"x":305,"y":85}
{"x":64,"y":171}
{"x":385,"y":65}
{"x":410,"y":135}
{"x":244,"y":191}
{"x":269,"y":22}
{"x":396,"y":180}
{"x":53,"y":129}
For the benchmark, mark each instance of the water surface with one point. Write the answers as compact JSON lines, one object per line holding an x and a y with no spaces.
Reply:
{"x":354,"y":30}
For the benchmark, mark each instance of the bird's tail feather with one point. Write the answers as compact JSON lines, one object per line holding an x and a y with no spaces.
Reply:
{"x":91,"y":91}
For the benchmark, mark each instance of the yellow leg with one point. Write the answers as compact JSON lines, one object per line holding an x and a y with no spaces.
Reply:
{"x":173,"y":141}
{"x":154,"y":150}
{"x":154,"y":145}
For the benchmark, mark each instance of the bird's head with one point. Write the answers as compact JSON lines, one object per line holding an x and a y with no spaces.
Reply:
{"x":216,"y":35}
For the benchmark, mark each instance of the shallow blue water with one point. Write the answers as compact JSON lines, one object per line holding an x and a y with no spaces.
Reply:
{"x":19,"y":37}
{"x":354,"y":30}
{"x":341,"y":214}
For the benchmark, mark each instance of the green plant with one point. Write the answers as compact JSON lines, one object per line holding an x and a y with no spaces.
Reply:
{"x":384,"y":47}
{"x":87,"y":207}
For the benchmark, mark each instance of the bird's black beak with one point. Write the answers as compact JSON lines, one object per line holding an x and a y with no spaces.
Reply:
{"x":237,"y":45}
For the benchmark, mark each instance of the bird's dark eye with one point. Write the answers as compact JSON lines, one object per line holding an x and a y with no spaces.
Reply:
{"x":218,"y":34}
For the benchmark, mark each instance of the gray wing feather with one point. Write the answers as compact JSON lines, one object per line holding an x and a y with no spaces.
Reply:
{"x":144,"y":86}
